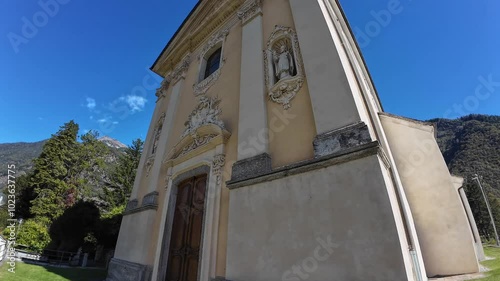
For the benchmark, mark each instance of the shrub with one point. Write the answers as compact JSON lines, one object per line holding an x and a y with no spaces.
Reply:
{"x":33,"y":234}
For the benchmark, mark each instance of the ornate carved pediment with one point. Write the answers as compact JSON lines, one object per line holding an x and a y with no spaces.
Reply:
{"x":207,"y":112}
{"x":284,"y":73}
{"x":204,"y":130}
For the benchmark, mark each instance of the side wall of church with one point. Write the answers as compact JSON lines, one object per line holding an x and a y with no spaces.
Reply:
{"x":441,"y":222}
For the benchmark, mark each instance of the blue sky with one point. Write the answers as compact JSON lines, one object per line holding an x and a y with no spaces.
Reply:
{"x":89,"y":60}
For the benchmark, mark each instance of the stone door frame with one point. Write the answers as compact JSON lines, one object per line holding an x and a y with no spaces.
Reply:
{"x":204,"y":163}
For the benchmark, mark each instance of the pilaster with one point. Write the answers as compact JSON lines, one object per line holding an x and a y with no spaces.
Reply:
{"x":252,"y":127}
{"x":165,"y":133}
{"x":335,"y":96}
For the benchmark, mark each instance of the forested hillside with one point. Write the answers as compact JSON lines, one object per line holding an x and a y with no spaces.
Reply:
{"x":20,"y":154}
{"x":471,"y":145}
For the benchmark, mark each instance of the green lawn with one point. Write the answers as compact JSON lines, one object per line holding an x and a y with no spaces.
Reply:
{"x":493,"y":265}
{"x":28,"y":272}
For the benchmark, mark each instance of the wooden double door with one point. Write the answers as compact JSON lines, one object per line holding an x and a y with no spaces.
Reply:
{"x":185,"y":242}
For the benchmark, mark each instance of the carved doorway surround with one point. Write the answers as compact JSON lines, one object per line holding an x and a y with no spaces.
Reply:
{"x":199,"y":153}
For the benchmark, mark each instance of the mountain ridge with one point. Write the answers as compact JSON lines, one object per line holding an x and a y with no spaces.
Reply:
{"x":111,"y":142}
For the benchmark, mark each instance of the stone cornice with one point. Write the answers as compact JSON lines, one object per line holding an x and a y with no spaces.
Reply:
{"x":208,"y":17}
{"x":413,"y":123}
{"x":350,"y":154}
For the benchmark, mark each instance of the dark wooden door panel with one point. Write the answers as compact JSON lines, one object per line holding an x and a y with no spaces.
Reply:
{"x":185,"y":241}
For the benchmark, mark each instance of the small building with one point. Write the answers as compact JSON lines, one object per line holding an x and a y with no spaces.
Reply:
{"x":269,"y":157}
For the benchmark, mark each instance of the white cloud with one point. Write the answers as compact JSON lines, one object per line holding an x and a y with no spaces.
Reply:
{"x":91,"y":103}
{"x":136,"y":103}
{"x":107,"y":120}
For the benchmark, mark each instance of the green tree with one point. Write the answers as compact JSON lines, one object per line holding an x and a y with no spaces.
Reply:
{"x":4,"y":216}
{"x":108,"y":227}
{"x":25,"y":193}
{"x":55,"y":177}
{"x":92,"y":165}
{"x":479,"y":209}
{"x":121,"y":179}
{"x":69,"y":230}
{"x":117,"y":192}
{"x":33,"y":234}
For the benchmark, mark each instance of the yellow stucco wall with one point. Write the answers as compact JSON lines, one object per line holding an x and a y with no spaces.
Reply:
{"x":295,"y":135}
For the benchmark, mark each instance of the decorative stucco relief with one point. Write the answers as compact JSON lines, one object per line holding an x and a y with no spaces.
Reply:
{"x":217,"y":165}
{"x":217,"y":15}
{"x":167,"y":180}
{"x":132,"y":204}
{"x":157,"y":132}
{"x":197,"y":142}
{"x":150,"y":199}
{"x":214,"y":40}
{"x":162,"y":90}
{"x":250,"y":10}
{"x":180,"y":71}
{"x":203,"y":86}
{"x":203,"y":130}
{"x":206,"y":112}
{"x":149,"y":165}
{"x":284,"y":73}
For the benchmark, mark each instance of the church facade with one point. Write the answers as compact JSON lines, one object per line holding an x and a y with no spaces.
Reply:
{"x":269,"y":157}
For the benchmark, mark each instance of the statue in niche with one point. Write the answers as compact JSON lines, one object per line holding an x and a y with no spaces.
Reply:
{"x":283,"y":62}
{"x":284,"y":73}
